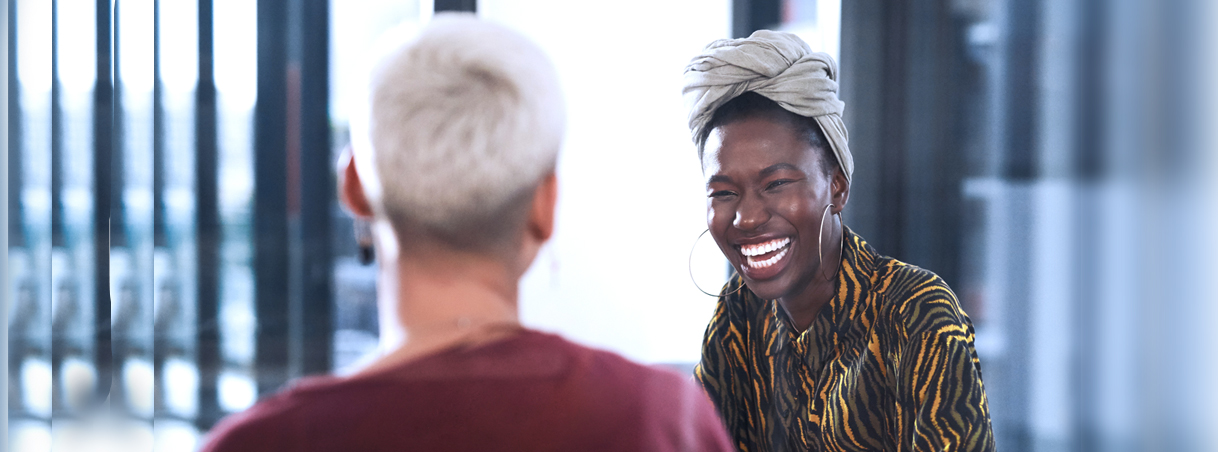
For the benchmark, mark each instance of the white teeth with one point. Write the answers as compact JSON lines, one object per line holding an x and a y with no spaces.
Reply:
{"x":767,"y":262}
{"x":762,"y":248}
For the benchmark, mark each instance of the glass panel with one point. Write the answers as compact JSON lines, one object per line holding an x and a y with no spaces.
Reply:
{"x":29,"y":334}
{"x":72,"y":256}
{"x":131,"y":255}
{"x":174,"y":259}
{"x":354,"y":28}
{"x":235,"y":31}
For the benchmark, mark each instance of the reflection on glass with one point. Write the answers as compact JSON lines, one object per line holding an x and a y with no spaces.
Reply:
{"x":77,"y":381}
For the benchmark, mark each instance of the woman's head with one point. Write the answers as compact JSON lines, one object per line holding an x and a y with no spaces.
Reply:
{"x":767,"y":123}
{"x":778,"y":66}
{"x":770,"y":182}
{"x":464,"y":120}
{"x":753,"y":105}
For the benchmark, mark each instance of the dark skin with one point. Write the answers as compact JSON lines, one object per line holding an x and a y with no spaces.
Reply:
{"x":767,"y":191}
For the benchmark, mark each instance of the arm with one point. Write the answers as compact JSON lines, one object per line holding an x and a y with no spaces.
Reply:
{"x":723,"y":374}
{"x":942,"y":399}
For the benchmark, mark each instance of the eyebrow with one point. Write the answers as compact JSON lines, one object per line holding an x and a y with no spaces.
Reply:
{"x":765,"y":172}
{"x":777,"y":167}
{"x":718,"y":178}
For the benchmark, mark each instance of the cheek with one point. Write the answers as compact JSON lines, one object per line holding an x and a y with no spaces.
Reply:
{"x":718,"y":216}
{"x":798,"y":210}
{"x":719,"y":221}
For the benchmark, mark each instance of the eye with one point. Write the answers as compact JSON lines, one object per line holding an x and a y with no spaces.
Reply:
{"x":721,"y":194}
{"x":778,"y":183}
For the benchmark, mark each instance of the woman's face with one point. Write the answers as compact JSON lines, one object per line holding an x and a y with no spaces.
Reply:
{"x":766,"y":193}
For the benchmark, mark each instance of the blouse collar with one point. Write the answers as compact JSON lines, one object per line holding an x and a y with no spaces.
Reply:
{"x":816,"y":343}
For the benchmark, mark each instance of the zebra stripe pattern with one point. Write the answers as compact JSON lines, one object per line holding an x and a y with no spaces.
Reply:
{"x":887,"y":365}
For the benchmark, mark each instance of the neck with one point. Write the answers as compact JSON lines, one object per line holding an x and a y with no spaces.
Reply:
{"x":804,"y":305}
{"x":432,"y":299}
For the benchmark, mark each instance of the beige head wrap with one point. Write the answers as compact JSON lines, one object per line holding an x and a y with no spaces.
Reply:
{"x":777,"y":65}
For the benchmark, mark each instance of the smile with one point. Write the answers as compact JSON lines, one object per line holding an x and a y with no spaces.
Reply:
{"x":762,"y":255}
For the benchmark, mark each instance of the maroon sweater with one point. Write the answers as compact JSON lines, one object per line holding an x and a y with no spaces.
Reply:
{"x":531,"y":392}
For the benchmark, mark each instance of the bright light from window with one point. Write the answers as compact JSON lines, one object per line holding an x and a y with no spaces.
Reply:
{"x":236,"y":391}
{"x":180,"y":381}
{"x":77,"y":57}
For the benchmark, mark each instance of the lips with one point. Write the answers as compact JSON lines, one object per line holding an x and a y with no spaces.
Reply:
{"x":762,"y":260}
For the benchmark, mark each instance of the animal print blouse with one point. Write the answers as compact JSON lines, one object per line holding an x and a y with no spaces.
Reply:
{"x":887,"y":365}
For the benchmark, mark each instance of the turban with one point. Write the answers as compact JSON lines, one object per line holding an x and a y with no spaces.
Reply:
{"x":777,"y":65}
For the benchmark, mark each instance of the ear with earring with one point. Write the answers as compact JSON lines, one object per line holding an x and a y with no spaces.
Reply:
{"x":820,"y":255}
{"x":363,"y":238}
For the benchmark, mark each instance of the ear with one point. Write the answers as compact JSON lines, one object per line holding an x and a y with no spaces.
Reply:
{"x":350,"y":190}
{"x":840,"y":191}
{"x":541,"y":217}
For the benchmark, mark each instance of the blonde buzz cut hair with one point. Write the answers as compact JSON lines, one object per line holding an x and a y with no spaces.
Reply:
{"x":463,"y":120}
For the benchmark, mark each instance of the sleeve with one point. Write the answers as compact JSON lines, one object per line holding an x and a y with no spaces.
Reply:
{"x":723,"y":375}
{"x":943,"y":401}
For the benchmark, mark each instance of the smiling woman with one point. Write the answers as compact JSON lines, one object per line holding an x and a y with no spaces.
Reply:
{"x":821,"y":343}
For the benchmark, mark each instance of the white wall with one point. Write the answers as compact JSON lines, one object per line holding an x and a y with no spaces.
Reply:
{"x":631,"y":200}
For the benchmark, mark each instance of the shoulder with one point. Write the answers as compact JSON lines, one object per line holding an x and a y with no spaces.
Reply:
{"x":266,"y":426}
{"x":281,"y":421}
{"x":737,"y":306}
{"x":668,"y":409}
{"x":613,"y":369}
{"x":920,"y":300}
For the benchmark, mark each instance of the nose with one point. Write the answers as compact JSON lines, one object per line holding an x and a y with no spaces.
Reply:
{"x":750,"y":214}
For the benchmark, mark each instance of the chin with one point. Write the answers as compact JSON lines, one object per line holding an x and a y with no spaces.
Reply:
{"x":768,"y":290}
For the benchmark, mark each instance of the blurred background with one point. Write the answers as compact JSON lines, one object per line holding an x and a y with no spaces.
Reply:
{"x":175,"y":250}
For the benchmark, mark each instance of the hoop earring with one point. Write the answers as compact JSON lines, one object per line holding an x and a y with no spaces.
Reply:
{"x":690,"y":266}
{"x":820,"y":255}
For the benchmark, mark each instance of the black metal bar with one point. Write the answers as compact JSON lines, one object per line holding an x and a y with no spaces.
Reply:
{"x":893,"y":141}
{"x":934,"y":138}
{"x":58,"y":229}
{"x":208,"y":226}
{"x":1088,"y":83}
{"x":1020,"y":160}
{"x":159,"y":232}
{"x":752,"y":15}
{"x":103,"y":126}
{"x":270,"y":213}
{"x":59,"y":344}
{"x":318,"y":193}
{"x":16,"y":215}
{"x":1089,"y":165}
{"x":118,"y":170}
{"x":469,"y":6}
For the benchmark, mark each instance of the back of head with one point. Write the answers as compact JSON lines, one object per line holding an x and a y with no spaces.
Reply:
{"x":464,"y":119}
